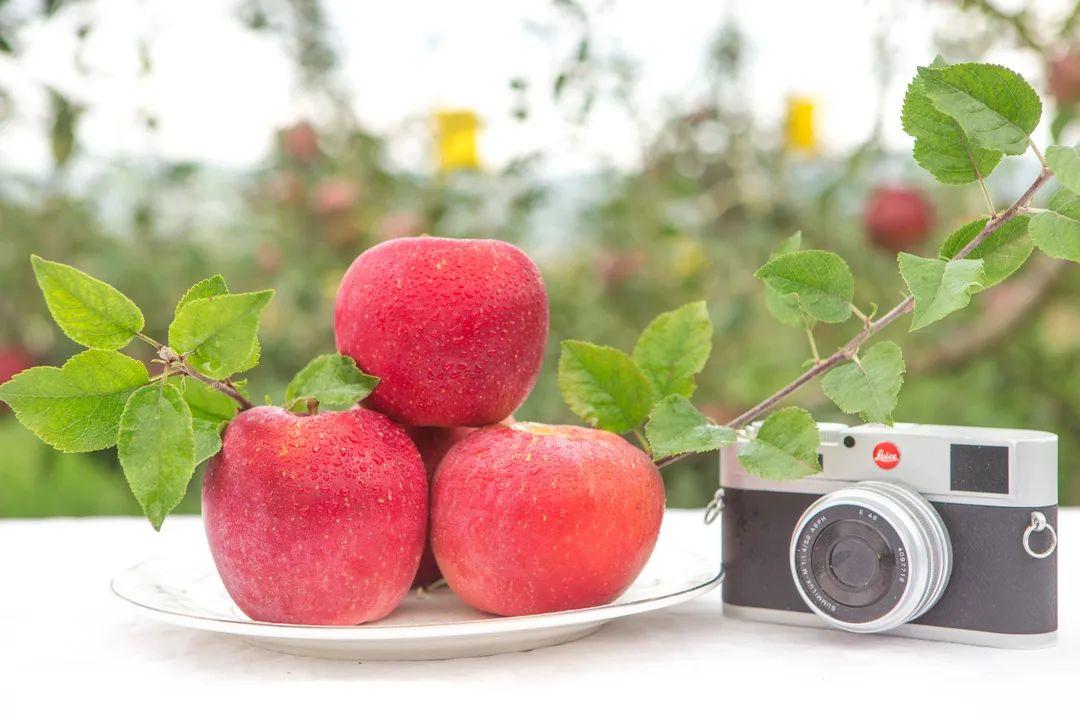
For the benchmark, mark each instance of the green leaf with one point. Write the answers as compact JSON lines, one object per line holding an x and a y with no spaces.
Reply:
{"x":785,"y":447}
{"x":675,"y":427}
{"x":205,"y":402}
{"x":211,"y":411}
{"x":940,"y":287}
{"x":604,"y":386}
{"x":77,"y":407}
{"x":207,"y":438}
{"x":156,"y":446}
{"x":333,"y":380}
{"x":674,"y":348}
{"x":1065,"y":162}
{"x":941,"y":147}
{"x":1003,"y":251}
{"x":791,"y":243}
{"x":219,"y":333}
{"x":1057,"y":231}
{"x":870,"y":385}
{"x":210,"y":287}
{"x":821,"y":280}
{"x":90,"y":312}
{"x":785,"y":308}
{"x":996,"y":108}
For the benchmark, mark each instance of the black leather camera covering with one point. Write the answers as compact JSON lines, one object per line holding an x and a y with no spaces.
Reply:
{"x":995,"y":585}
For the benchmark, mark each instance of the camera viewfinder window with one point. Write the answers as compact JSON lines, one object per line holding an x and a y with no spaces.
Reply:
{"x":980,"y":468}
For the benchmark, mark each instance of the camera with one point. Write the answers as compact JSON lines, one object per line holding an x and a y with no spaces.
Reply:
{"x":925,"y":531}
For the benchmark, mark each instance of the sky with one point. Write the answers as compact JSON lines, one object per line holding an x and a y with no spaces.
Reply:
{"x":220,"y":91}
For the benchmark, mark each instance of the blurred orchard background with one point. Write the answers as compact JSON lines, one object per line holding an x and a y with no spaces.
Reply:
{"x":644,"y":154}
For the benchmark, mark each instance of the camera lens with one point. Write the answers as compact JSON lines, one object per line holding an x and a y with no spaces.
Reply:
{"x":853,"y":563}
{"x":870,"y":557}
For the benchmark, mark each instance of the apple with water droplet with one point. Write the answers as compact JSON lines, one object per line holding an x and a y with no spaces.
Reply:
{"x":433,"y":444}
{"x":536,"y":518}
{"x":315,"y":519}
{"x":455,"y":329}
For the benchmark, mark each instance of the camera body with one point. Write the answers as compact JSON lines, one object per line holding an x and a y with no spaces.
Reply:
{"x":927,"y":531}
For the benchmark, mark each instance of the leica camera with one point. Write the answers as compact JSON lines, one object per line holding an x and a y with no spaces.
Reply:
{"x":926,"y":531}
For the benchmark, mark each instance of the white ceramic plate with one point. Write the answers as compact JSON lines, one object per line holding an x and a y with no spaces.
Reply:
{"x":186,"y":591}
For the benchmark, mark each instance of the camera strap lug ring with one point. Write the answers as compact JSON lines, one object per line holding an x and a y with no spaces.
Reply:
{"x":1039,"y":524}
{"x":715,"y":506}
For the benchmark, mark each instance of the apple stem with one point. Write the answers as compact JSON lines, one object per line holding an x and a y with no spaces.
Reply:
{"x":312,"y":406}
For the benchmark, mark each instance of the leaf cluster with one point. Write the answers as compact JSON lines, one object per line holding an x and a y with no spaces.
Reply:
{"x":166,"y":425}
{"x":963,"y":118}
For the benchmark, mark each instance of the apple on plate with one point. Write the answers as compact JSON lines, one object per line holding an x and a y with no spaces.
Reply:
{"x":433,"y":444}
{"x":316,"y":519}
{"x":455,"y":329}
{"x":534,"y":518}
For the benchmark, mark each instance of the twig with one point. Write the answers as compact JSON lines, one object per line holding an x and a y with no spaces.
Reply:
{"x":905,"y":306}
{"x":174,"y":362}
{"x":225,"y":386}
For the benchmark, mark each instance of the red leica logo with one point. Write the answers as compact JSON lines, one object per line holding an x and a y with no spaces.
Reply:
{"x":886,"y":456}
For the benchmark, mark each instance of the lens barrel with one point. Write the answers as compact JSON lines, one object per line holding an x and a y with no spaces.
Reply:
{"x":870,"y":557}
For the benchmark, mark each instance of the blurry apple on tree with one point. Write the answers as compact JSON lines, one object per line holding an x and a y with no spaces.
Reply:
{"x":299,"y":142}
{"x":1063,"y":75}
{"x":898,"y":218}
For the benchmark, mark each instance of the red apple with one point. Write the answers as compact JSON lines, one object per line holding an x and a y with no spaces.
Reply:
{"x":315,"y":519}
{"x":454,"y":328}
{"x":898,"y":218}
{"x":536,"y":518}
{"x":300,"y":142}
{"x":616,"y":267}
{"x":13,"y":360}
{"x":433,"y":444}
{"x":1064,"y":76}
{"x":269,"y":257}
{"x":334,"y":196}
{"x":285,"y":188}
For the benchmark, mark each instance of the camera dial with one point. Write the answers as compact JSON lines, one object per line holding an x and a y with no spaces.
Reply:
{"x":870,"y":557}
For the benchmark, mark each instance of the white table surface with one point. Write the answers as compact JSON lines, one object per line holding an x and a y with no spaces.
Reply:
{"x":65,"y":640}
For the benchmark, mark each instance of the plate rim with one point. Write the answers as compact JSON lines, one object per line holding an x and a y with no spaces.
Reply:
{"x":456,"y":628}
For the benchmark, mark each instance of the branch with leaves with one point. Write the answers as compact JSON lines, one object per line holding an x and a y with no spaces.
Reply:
{"x":964,"y":118}
{"x":166,"y":425}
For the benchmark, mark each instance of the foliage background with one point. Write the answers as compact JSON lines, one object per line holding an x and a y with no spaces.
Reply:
{"x":715,"y":190}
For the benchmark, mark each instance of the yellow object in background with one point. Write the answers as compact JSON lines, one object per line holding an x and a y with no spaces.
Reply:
{"x":457,"y":131}
{"x":801,"y":129}
{"x":688,"y":257}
